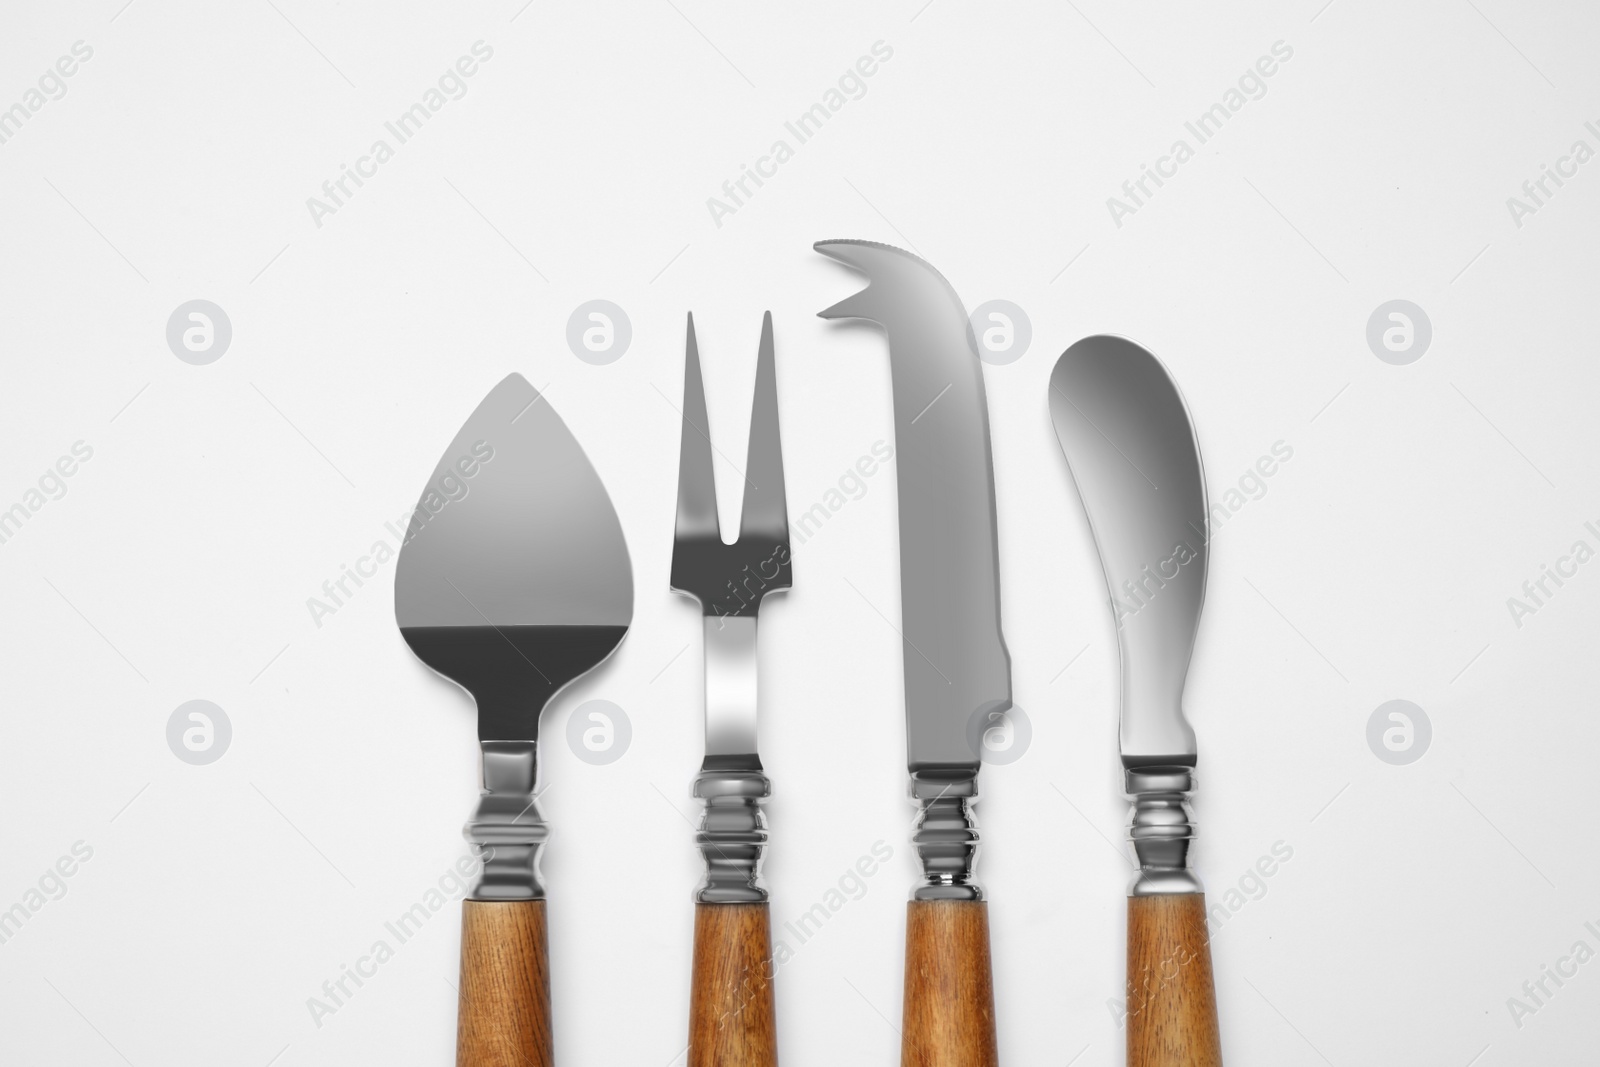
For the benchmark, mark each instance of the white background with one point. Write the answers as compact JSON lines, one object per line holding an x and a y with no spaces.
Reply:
{"x":219,"y":498}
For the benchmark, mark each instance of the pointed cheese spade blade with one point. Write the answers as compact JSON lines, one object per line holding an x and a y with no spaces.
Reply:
{"x":514,"y":578}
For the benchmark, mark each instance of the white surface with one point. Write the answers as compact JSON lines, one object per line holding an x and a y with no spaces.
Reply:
{"x":1377,"y":565}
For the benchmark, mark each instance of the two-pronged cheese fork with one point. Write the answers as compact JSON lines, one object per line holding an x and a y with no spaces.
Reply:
{"x":731,"y":1020}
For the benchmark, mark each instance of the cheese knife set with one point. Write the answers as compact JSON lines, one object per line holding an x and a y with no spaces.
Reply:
{"x":524,"y":584}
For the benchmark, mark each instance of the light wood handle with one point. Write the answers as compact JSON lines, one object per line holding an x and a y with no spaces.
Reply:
{"x":949,"y":1000}
{"x":1172,"y":1003}
{"x":731,"y":1016}
{"x":504,"y":1018}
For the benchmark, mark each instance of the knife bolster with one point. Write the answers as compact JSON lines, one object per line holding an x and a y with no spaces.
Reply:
{"x":733,"y":831}
{"x":507,"y":831}
{"x":946,"y":833}
{"x":1161,"y":830}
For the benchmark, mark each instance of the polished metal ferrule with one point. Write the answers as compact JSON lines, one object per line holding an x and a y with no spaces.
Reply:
{"x":507,"y":831}
{"x":733,"y":831}
{"x":1161,"y":829}
{"x":946,"y":835}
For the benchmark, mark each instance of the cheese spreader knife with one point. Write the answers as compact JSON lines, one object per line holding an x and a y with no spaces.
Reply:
{"x":1132,"y":451}
{"x":513,"y":581}
{"x":957,"y":671}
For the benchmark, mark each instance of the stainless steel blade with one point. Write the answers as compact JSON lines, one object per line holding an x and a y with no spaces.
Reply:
{"x":957,"y":670}
{"x":1133,"y":454}
{"x":513,"y":578}
{"x":512,"y":581}
{"x":955,"y":661}
{"x":514,"y":527}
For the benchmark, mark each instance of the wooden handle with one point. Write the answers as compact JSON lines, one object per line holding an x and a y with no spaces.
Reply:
{"x":731,"y":1017}
{"x":504,"y":1018}
{"x":949,"y":1001}
{"x":1172,"y":1004}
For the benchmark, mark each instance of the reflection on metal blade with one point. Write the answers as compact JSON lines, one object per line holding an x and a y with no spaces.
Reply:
{"x":1131,"y":447}
{"x":514,"y":577}
{"x":955,"y":660}
{"x":514,"y":527}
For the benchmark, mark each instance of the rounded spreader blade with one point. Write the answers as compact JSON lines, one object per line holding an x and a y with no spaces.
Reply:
{"x":514,"y":577}
{"x":1131,"y":447}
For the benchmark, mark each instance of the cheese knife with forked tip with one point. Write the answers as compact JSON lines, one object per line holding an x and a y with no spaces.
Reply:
{"x":956,"y":668}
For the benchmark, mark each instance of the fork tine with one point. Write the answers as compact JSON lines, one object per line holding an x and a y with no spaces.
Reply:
{"x":697,"y":487}
{"x":765,"y":510}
